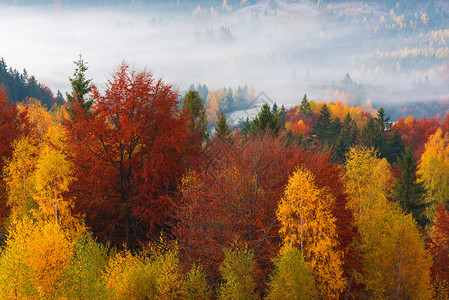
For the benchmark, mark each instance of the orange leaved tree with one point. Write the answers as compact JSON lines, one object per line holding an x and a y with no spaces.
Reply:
{"x":306,"y":222}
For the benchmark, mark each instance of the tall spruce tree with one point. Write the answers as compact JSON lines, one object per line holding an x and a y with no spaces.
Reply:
{"x":81,"y":86}
{"x":304,"y":107}
{"x":322,"y":128}
{"x":372,"y":136}
{"x":222,"y":130}
{"x":409,"y":190}
{"x":347,"y":138}
{"x":246,"y":126}
{"x":383,"y":120}
{"x":393,"y":147}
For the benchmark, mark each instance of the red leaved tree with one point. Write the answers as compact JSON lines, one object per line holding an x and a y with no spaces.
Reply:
{"x":12,"y":125}
{"x":234,"y":193}
{"x":439,"y":248}
{"x":416,"y":131}
{"x":129,"y":152}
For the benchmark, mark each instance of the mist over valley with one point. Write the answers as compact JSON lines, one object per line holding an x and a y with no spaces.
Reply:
{"x":376,"y":53}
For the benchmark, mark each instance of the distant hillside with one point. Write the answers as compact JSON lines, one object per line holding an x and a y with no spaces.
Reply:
{"x":20,"y":86}
{"x":205,"y":3}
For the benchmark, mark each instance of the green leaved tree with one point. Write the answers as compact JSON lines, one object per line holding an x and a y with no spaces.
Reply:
{"x":81,"y":86}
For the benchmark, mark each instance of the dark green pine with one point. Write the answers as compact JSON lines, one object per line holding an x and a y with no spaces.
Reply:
{"x":409,"y":189}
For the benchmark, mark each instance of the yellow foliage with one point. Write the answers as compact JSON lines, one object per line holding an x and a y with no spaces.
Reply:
{"x":34,"y":260}
{"x":395,"y":262}
{"x":51,"y":179}
{"x":39,"y":172}
{"x":368,"y":179}
{"x":434,"y":169}
{"x":127,"y":277}
{"x":18,"y":177}
{"x":154,"y":275}
{"x":38,"y":115}
{"x":306,"y":222}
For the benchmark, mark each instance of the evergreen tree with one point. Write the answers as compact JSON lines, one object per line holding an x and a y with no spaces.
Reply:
{"x":80,"y":86}
{"x":222,"y":130}
{"x":266,"y":120}
{"x":383,"y":120}
{"x":304,"y":107}
{"x":193,"y":104}
{"x":19,"y":86}
{"x":377,"y":134}
{"x":275,"y":108}
{"x":281,"y":117}
{"x":246,"y":127}
{"x":321,"y":130}
{"x":372,"y":136}
{"x":59,"y":98}
{"x":347,"y":138}
{"x":334,"y":131}
{"x":394,"y":147}
{"x":409,"y":189}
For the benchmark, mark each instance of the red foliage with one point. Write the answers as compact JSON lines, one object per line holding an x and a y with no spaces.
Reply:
{"x":416,"y":131}
{"x":129,"y":153}
{"x":234,"y":193}
{"x":12,"y":125}
{"x":439,"y":245}
{"x":293,"y":116}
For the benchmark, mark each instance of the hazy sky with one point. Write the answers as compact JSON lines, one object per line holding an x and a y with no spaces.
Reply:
{"x":286,"y":55}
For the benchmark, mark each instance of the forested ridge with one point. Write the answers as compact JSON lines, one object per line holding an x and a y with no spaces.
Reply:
{"x":20,"y":86}
{"x":125,"y":192}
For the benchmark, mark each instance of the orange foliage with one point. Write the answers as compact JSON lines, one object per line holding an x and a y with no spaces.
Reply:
{"x":212,"y":107}
{"x":300,"y":128}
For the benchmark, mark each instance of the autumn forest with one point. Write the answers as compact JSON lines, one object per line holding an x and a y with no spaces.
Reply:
{"x":133,"y":191}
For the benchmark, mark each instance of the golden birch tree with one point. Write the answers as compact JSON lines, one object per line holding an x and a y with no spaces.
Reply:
{"x":306,"y":222}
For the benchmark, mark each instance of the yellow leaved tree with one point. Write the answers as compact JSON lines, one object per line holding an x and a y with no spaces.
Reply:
{"x":34,"y":260}
{"x":153,"y":273}
{"x":19,"y":177}
{"x":368,"y":180}
{"x":52,"y":177}
{"x":394,"y":259}
{"x":39,"y":172}
{"x":434,"y":170}
{"x":306,"y":222}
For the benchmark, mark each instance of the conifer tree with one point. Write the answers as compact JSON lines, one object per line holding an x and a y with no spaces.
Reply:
{"x":81,"y":86}
{"x":383,"y":120}
{"x":222,"y":129}
{"x":266,"y":120}
{"x":304,"y":107}
{"x":347,"y":137}
{"x":322,"y":127}
{"x":409,"y":189}
{"x":372,"y":136}
{"x":246,"y":127}
{"x":393,"y":147}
